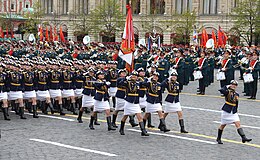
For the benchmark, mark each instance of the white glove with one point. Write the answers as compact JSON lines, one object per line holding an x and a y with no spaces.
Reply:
{"x":223,"y":69}
{"x":175,"y":66}
{"x":169,"y":79}
{"x":149,"y":79}
{"x":227,"y":86}
{"x":128,"y":77}
{"x":108,"y":83}
{"x":250,"y":68}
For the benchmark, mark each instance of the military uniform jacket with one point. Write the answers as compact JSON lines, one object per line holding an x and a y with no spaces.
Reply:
{"x":142,"y":89}
{"x":29,"y":79}
{"x":3,"y":82}
{"x":121,"y":90}
{"x":55,"y":79}
{"x":132,"y":89}
{"x":68,"y":81}
{"x":231,"y":98}
{"x":173,"y":91}
{"x":89,"y":88}
{"x":79,"y":80}
{"x":254,"y":64}
{"x":101,"y":91}
{"x":15,"y":81}
{"x":154,"y":94}
{"x":111,"y":76}
{"x":42,"y":80}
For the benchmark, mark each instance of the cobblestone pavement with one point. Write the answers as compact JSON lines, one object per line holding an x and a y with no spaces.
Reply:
{"x":48,"y":138}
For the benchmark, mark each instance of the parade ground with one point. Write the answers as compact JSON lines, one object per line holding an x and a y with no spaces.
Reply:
{"x":55,"y":137}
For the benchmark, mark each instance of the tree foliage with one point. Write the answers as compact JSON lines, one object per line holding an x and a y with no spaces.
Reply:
{"x":107,"y":18}
{"x":247,"y":21}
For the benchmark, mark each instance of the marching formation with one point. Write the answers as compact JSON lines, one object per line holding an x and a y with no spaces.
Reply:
{"x":79,"y":78}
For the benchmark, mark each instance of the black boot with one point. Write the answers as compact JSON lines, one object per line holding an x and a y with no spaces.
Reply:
{"x":80,"y":117}
{"x":35,"y":111}
{"x":163,"y":126}
{"x":51,"y":108}
{"x":29,"y":106}
{"x":142,"y":127}
{"x":91,"y":123}
{"x":122,"y":126}
{"x":73,"y":108}
{"x":44,"y":107}
{"x":132,"y":121}
{"x":149,"y":119}
{"x":22,"y":113}
{"x":219,"y":136}
{"x":243,"y":136}
{"x":61,"y":110}
{"x":16,"y":108}
{"x":114,"y":121}
{"x":5,"y":111}
{"x":109,"y":124}
{"x":96,"y":121}
{"x":114,"y":102}
{"x":181,"y":122}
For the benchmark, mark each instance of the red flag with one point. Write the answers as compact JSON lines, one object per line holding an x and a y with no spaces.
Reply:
{"x":62,"y":38}
{"x":222,"y":37}
{"x":214,"y":38}
{"x":128,"y":42}
{"x":1,"y":33}
{"x":51,"y":35}
{"x":7,"y":35}
{"x":204,"y":37}
{"x":55,"y":34}
{"x":41,"y":33}
{"x":12,"y":33}
{"x":47,"y":34}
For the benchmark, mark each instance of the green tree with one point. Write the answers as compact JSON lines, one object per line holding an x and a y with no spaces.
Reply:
{"x":107,"y":18}
{"x":183,"y":25}
{"x":246,"y":20}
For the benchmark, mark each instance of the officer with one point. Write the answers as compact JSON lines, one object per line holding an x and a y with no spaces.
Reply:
{"x":3,"y":91}
{"x":202,"y":66}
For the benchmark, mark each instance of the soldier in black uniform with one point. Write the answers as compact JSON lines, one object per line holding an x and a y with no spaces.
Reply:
{"x":229,"y":111}
{"x":179,"y":63}
{"x":202,"y":66}
{"x":111,"y":76}
{"x":3,"y":91}
{"x":163,"y":67}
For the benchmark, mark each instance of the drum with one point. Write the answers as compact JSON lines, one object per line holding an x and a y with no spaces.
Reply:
{"x":248,"y":77}
{"x":221,"y":76}
{"x":197,"y":75}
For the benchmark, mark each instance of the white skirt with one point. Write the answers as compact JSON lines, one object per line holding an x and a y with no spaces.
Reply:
{"x":142,"y":102}
{"x":131,"y":108}
{"x":112,"y":91}
{"x":78,"y":92}
{"x":100,"y":106}
{"x":55,"y":93}
{"x":14,"y":95}
{"x":120,"y":103}
{"x":228,"y":118}
{"x":29,"y":94}
{"x":68,"y":93}
{"x":172,"y":107}
{"x":3,"y":96}
{"x":42,"y":95}
{"x":151,"y":108}
{"x":87,"y":101}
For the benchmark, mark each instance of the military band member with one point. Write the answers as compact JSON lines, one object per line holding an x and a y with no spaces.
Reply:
{"x":132,"y":106}
{"x":227,"y":68}
{"x":3,"y":92}
{"x":172,"y":101}
{"x":120,"y":96}
{"x":79,"y":83}
{"x":179,"y":66}
{"x":68,"y":86}
{"x":254,"y":68}
{"x":29,"y":89}
{"x":55,"y":81}
{"x":229,"y":111}
{"x":202,"y":66}
{"x":15,"y":84}
{"x":101,"y":100}
{"x":154,"y":100}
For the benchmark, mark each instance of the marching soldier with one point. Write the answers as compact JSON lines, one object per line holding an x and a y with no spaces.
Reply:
{"x":101,"y":100}
{"x":254,"y":67}
{"x":163,"y":67}
{"x":179,"y":66}
{"x":229,"y":111}
{"x":132,"y":106}
{"x":111,"y":77}
{"x":3,"y":92}
{"x":202,"y":66}
{"x":172,"y":102}
{"x":227,"y":68}
{"x":154,"y":100}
